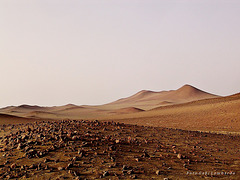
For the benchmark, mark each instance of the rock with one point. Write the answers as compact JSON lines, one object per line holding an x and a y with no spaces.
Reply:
{"x":84,"y":144}
{"x":124,"y":167}
{"x":74,"y":173}
{"x":6,"y":162}
{"x":60,"y":168}
{"x":46,"y":160}
{"x":179,"y":156}
{"x":130,"y":172}
{"x":106,"y":173}
{"x":75,"y":158}
{"x":20,"y":146}
{"x":27,"y":148}
{"x":3,"y":149}
{"x":133,"y":176}
{"x":9,"y":176}
{"x":22,"y":167}
{"x":69,"y":165}
{"x":81,"y":153}
{"x":146,"y":155}
{"x":112,"y":159}
{"x":13,"y":166}
{"x":70,"y":171}
{"x":74,"y":138}
{"x":33,"y":166}
{"x":39,"y":166}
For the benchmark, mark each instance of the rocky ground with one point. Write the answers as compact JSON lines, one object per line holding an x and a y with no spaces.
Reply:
{"x":109,"y":150}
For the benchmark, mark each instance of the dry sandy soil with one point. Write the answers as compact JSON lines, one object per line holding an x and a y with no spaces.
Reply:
{"x":218,"y":114}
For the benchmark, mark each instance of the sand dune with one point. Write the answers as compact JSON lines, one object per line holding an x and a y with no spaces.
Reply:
{"x":29,"y":108}
{"x":217,"y":114}
{"x":149,"y":99}
{"x":143,"y":100}
{"x":10,"y":119}
{"x":41,"y":114}
{"x":62,"y":108}
{"x":185,"y":108}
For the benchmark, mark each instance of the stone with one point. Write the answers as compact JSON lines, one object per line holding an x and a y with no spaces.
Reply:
{"x":19,"y":146}
{"x":106,"y":173}
{"x":146,"y":155}
{"x":69,"y":165}
{"x":13,"y":166}
{"x":60,"y":168}
{"x":179,"y":156}
{"x":130,"y":172}
{"x":46,"y":160}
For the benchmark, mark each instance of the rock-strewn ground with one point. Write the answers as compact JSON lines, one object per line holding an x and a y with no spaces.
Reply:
{"x":94,"y":150}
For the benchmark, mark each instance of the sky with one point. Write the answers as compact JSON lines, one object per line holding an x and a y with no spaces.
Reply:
{"x":55,"y":52}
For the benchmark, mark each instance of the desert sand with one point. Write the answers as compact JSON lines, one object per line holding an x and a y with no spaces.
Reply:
{"x":217,"y":114}
{"x":185,"y":108}
{"x":167,"y":134}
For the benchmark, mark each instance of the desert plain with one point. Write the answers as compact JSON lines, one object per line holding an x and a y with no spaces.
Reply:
{"x":178,"y":134}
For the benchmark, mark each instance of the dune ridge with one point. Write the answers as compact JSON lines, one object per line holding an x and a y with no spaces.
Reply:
{"x":185,"y":108}
{"x":149,"y":99}
{"x":142,"y":100}
{"x":10,"y":119}
{"x":217,"y":114}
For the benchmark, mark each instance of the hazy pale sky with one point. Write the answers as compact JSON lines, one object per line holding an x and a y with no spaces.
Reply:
{"x":54,"y":52}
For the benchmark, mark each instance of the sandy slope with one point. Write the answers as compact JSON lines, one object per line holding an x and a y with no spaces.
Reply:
{"x":9,"y":119}
{"x":149,"y":99}
{"x":218,"y":114}
{"x":143,"y":100}
{"x":186,"y":108}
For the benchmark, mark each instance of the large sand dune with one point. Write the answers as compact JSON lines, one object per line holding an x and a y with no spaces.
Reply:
{"x":184,"y":108}
{"x":218,"y":114}
{"x":143,"y":100}
{"x":149,"y":99}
